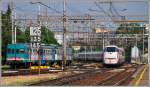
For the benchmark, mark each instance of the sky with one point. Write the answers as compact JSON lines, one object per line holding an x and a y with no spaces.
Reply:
{"x":75,"y":7}
{"x":132,"y":10}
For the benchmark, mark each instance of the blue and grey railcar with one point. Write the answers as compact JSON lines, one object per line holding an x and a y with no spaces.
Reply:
{"x":22,"y":54}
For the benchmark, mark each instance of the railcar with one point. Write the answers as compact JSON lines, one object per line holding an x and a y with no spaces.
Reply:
{"x":89,"y":56}
{"x":113,"y":55}
{"x":21,"y":54}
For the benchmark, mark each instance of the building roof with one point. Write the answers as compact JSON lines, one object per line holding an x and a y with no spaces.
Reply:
{"x":100,"y":30}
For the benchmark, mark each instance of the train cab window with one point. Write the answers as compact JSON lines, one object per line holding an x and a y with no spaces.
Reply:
{"x":21,"y":51}
{"x":110,"y":49}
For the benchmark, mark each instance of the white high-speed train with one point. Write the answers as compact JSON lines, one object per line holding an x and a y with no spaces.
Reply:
{"x":113,"y":55}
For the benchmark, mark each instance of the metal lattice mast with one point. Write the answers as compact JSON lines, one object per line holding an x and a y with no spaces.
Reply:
{"x":1,"y":39}
{"x":64,"y":35}
{"x":149,"y":37}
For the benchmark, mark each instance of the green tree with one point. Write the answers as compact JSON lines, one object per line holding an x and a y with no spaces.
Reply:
{"x":27,"y":35}
{"x":47,"y":36}
{"x":20,"y":36}
{"x":6,"y":32}
{"x":130,"y":28}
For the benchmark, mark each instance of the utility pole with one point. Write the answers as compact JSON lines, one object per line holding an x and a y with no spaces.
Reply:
{"x":12,"y":22}
{"x":13,"y":18}
{"x":15,"y":30}
{"x":1,"y":40}
{"x":39,"y":22}
{"x":64,"y":35}
{"x":143,"y":46}
{"x":149,"y":38}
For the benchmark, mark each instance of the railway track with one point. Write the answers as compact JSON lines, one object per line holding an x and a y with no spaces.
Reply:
{"x":101,"y":77}
{"x":117,"y":79}
{"x":23,"y":72}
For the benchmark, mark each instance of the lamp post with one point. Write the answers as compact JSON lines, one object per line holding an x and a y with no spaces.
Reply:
{"x":1,"y":39}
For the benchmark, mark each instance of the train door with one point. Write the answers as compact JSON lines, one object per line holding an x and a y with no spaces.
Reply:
{"x":34,"y":55}
{"x":47,"y":56}
{"x":59,"y":54}
{"x":42,"y":61}
{"x":56,"y":56}
{"x":52,"y":55}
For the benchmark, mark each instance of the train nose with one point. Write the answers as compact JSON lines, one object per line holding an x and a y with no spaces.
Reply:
{"x":110,"y":61}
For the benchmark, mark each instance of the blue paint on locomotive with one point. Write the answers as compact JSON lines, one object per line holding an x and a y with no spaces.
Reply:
{"x":17,"y":52}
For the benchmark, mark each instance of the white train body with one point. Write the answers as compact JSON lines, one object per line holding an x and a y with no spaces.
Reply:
{"x":113,"y":55}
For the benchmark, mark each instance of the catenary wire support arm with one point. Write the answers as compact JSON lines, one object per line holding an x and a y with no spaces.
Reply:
{"x":46,"y":6}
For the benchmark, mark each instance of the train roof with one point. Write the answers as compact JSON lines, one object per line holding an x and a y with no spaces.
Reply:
{"x":22,"y":45}
{"x":115,"y":46}
{"x":112,"y":46}
{"x":90,"y":52}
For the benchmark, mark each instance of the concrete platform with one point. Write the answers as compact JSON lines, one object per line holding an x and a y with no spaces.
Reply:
{"x":145,"y":80}
{"x":141,"y":77}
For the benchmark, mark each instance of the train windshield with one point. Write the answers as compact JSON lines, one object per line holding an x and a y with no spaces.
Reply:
{"x":110,"y":49}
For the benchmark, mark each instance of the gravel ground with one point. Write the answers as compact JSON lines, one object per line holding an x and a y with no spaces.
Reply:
{"x":25,"y":80}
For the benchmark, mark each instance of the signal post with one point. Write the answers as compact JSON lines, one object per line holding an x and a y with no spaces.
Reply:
{"x":35,"y":35}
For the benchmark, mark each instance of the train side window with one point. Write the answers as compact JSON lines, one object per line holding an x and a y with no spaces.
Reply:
{"x":44,"y":51}
{"x":49,"y":51}
{"x":41,"y":51}
{"x":13,"y":51}
{"x":9,"y":51}
{"x":117,"y":50}
{"x":17,"y":51}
